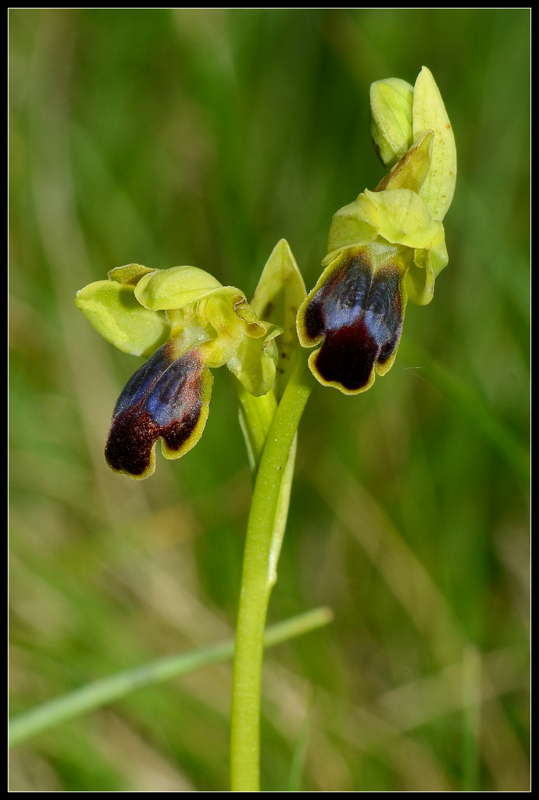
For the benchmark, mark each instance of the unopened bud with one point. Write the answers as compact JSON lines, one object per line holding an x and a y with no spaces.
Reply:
{"x":391,"y":119}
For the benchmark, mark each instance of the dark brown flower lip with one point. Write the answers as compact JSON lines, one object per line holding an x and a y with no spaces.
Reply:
{"x":358,"y":316}
{"x":166,"y":398}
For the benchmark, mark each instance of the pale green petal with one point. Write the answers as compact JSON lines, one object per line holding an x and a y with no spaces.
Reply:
{"x":419,"y":285}
{"x":114,"y":312}
{"x":426,"y":266}
{"x":429,"y":114}
{"x":356,"y":224}
{"x":437,"y":254}
{"x":251,"y":325}
{"x":174,"y":288}
{"x":424,"y":237}
{"x":391,"y":118}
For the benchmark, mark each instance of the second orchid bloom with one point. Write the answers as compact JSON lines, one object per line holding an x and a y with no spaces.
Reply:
{"x":388,"y":246}
{"x":196,"y":324}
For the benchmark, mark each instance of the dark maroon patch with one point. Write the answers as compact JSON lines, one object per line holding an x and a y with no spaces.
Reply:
{"x":347,"y":357}
{"x":132,"y":437}
{"x":162,"y":399}
{"x":359,"y":315}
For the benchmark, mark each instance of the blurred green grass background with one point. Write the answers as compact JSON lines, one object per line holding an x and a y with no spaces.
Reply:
{"x":202,"y":137}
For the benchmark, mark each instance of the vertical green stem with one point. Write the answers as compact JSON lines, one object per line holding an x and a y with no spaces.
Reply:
{"x":258,"y":577}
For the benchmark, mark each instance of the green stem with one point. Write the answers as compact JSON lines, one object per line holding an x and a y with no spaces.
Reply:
{"x":266,"y":524}
{"x":256,"y":415}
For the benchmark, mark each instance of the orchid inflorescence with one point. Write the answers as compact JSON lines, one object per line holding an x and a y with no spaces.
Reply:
{"x":384,"y":248}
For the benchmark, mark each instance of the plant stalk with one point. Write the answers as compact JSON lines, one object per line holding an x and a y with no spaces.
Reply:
{"x":267,"y":520}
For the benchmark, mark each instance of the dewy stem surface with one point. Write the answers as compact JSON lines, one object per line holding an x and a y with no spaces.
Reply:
{"x":258,"y":576}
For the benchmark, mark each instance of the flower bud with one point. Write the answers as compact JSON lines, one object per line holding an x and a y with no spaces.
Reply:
{"x":391,"y":119}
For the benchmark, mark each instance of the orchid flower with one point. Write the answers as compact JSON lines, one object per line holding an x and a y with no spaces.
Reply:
{"x":388,"y":246}
{"x":187,"y":323}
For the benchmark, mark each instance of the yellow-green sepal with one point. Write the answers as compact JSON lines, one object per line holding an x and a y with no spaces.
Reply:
{"x":115,"y":313}
{"x":277,"y":298}
{"x":174,"y":288}
{"x":429,"y":113}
